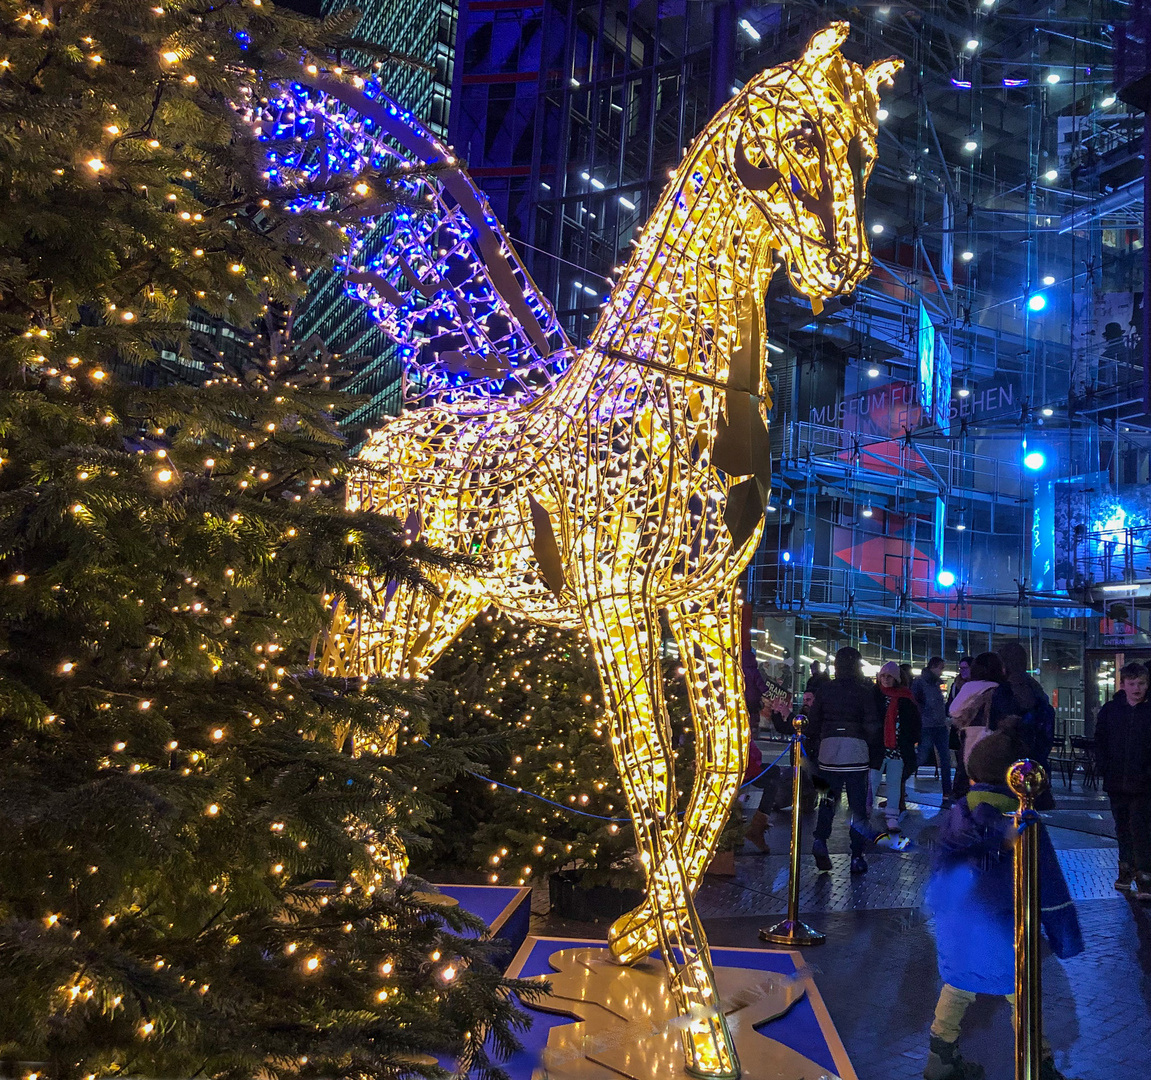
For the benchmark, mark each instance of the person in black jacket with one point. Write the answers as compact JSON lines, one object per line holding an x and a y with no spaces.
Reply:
{"x":844,"y":728}
{"x":1123,"y":758}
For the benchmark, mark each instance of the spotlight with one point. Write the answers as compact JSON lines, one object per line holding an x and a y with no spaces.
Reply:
{"x":873,"y":373}
{"x":750,"y":30}
{"x":1037,"y":302}
{"x":912,"y":177}
{"x":1048,"y":279}
{"x":963,"y":391}
{"x":1035,"y":460}
{"x":785,"y":556}
{"x":1052,"y":77}
{"x":945,"y":578}
{"x":877,"y":228}
{"x":967,"y":256}
{"x":970,"y":146}
{"x":961,"y":522}
{"x":868,"y":511}
{"x":1048,"y":412}
{"x":972,"y":44}
{"x":1107,"y":102}
{"x":881,"y":115}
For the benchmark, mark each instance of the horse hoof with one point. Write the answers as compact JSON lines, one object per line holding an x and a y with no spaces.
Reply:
{"x":632,"y":936}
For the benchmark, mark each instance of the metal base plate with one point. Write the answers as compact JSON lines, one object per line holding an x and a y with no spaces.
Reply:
{"x":792,"y":933}
{"x":627,"y":1024}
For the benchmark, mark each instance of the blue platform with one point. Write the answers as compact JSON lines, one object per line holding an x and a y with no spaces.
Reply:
{"x":506,"y":910}
{"x":806,"y":1027}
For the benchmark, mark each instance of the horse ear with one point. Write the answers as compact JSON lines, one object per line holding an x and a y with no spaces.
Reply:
{"x":824,"y":42}
{"x":881,"y":73}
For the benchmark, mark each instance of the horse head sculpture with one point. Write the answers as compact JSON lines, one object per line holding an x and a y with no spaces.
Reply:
{"x":803,"y":154}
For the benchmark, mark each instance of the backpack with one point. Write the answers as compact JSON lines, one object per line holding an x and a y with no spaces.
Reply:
{"x":1038,"y":729}
{"x":977,"y":712}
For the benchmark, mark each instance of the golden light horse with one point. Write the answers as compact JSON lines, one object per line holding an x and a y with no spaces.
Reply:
{"x":637,"y":484}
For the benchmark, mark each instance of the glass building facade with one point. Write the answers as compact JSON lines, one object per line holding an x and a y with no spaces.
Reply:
{"x":960,"y":452}
{"x":424,"y":30}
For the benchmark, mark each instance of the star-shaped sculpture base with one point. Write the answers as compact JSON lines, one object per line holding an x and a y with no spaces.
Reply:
{"x":626,"y":1023}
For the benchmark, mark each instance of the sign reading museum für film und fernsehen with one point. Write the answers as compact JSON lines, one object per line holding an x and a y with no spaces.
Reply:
{"x":931,"y":400}
{"x":893,"y":408}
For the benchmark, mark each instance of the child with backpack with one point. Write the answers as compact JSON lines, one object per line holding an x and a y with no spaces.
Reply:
{"x":971,"y":895}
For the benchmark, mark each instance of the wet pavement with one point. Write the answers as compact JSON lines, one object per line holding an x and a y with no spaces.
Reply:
{"x":877,"y":972}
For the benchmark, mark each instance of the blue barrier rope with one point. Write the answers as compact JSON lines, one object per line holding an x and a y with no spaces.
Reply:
{"x":585,"y":813}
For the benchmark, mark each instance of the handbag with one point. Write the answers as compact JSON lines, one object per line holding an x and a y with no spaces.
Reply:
{"x":754,"y":762}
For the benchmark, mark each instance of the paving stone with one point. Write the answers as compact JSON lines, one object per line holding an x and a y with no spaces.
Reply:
{"x":877,"y":972}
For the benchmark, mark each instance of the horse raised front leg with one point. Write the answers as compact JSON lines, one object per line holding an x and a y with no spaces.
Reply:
{"x":708,"y":639}
{"x":625,"y":648}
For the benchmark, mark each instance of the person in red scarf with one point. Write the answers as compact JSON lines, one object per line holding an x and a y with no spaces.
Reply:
{"x":901,"y":727}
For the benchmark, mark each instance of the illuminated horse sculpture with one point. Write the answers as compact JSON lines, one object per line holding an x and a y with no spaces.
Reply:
{"x":636,"y":483}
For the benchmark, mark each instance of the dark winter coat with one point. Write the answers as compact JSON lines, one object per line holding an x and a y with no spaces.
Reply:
{"x":754,"y":684}
{"x":928,"y":694}
{"x":1037,"y":718}
{"x":901,"y":723}
{"x":844,"y":709}
{"x":1123,"y":746}
{"x":904,"y":734}
{"x":971,"y":894}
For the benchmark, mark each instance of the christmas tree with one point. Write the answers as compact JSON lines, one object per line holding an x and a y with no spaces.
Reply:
{"x":192,"y":871}
{"x":553,"y":799}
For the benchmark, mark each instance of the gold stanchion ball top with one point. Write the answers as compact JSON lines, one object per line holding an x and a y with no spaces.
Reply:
{"x":799,"y":724}
{"x":1027,"y":779}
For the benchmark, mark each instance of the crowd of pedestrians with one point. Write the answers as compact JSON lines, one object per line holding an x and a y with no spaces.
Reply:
{"x":869,"y":737}
{"x":864,"y":736}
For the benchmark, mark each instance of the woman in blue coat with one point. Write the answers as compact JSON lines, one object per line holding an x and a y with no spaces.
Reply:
{"x":971,"y":896}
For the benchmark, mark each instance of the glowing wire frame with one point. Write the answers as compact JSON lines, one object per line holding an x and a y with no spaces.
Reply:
{"x":638,"y":482}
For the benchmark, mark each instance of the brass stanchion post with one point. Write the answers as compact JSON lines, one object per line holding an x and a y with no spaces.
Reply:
{"x":791,"y":931}
{"x":1027,"y":780}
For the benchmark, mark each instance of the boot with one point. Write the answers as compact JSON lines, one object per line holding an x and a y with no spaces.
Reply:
{"x":1125,"y":878}
{"x":1047,"y":1070}
{"x":1142,"y":886}
{"x":755,"y":830}
{"x":819,"y":851}
{"x":945,"y":1062}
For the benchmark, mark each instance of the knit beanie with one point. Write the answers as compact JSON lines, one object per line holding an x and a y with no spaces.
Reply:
{"x":992,"y":756}
{"x":891,"y":668}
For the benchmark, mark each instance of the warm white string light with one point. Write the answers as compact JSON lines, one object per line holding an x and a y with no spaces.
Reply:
{"x":637,"y":482}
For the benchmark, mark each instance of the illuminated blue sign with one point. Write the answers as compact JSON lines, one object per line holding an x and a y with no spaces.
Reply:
{"x":927,"y":363}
